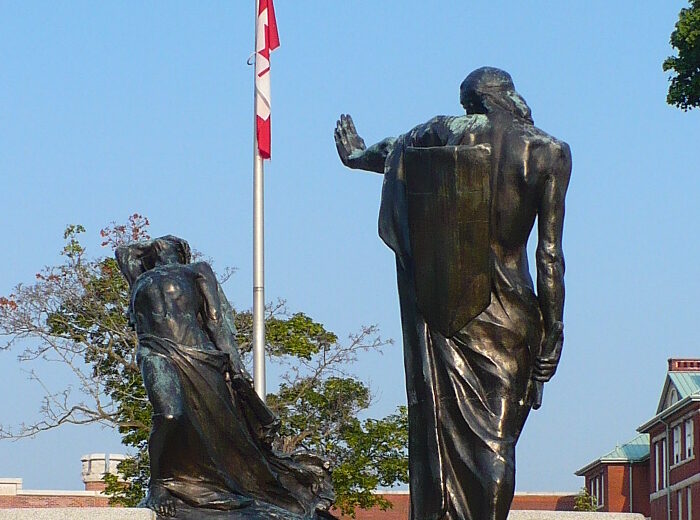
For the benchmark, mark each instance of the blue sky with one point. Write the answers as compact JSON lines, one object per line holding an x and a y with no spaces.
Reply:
{"x":111,"y":108}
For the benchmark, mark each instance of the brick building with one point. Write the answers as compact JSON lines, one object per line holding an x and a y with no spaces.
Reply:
{"x":657,"y":473}
{"x":674,"y":470}
{"x":94,"y":467}
{"x":619,"y":480}
{"x":522,"y":501}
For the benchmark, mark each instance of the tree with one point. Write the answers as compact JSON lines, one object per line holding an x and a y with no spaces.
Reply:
{"x":75,"y":313}
{"x":684,"y":90}
{"x":585,"y":501}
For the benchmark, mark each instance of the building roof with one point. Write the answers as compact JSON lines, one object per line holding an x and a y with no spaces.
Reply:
{"x":680,"y":388}
{"x":684,"y":383}
{"x":632,"y":451}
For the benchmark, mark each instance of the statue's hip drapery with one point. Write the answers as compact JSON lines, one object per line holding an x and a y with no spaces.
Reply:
{"x":217,"y":454}
{"x":468,"y":398}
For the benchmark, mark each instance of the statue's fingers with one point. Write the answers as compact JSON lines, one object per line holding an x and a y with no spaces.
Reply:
{"x":351,"y":133}
{"x":544,"y":370}
{"x":340,"y":141}
{"x":351,"y":124}
{"x":345,"y":138}
{"x":342,"y":149}
{"x":348,"y":125}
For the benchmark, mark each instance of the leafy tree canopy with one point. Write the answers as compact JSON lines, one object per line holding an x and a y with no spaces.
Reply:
{"x":76,"y":313}
{"x":585,"y":501}
{"x":684,"y":90}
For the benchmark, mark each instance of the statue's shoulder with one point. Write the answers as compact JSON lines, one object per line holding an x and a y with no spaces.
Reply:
{"x":542,"y":145}
{"x":548,"y":153}
{"x":471,"y":123}
{"x":537,"y":136}
{"x":201,"y":268}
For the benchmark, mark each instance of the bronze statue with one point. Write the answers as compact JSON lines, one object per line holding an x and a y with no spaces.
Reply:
{"x":459,"y":200}
{"x":210,"y":444}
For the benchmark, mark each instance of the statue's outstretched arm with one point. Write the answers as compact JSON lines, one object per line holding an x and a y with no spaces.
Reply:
{"x":550,"y":259}
{"x":352,"y":150}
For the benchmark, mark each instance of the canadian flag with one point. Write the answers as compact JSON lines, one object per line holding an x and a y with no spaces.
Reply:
{"x":267,"y":41}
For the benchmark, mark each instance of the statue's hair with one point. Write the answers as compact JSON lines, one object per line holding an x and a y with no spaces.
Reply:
{"x":489,"y":89}
{"x":138,"y":257}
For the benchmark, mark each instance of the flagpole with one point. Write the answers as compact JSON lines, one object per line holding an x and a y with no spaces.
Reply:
{"x":258,"y":249}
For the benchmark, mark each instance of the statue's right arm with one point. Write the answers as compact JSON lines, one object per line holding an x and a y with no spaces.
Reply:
{"x":213,"y":318}
{"x":550,"y":257}
{"x":353,"y":152}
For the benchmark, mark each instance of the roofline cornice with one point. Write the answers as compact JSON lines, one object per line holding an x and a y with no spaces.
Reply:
{"x":608,"y":460}
{"x":659,"y":417}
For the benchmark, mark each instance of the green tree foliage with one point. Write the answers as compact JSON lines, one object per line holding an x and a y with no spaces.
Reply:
{"x":75,"y":313}
{"x":585,"y":501}
{"x":684,"y":90}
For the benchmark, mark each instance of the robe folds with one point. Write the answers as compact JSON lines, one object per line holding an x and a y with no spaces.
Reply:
{"x":470,"y":394}
{"x":218,"y":459}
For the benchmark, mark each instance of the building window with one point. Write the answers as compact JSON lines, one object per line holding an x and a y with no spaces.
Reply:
{"x":676,"y":444}
{"x":689,"y":508}
{"x":680,"y":504}
{"x":597,"y":490}
{"x":657,"y":463}
{"x":689,"y":439}
{"x":673,"y":397}
{"x":661,"y":464}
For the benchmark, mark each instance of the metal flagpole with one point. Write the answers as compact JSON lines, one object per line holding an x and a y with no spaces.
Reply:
{"x":258,"y":248}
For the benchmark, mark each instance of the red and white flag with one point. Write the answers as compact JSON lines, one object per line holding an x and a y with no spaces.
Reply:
{"x":267,"y":41}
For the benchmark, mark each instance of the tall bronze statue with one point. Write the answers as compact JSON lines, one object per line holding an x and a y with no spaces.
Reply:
{"x":459,"y":200}
{"x":210,"y":444}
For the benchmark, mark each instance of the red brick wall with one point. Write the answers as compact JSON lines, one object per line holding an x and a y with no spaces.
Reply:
{"x":616,"y":484}
{"x":657,"y":430}
{"x":617,"y":488}
{"x":658,"y":508}
{"x":398,"y":512}
{"x":695,"y":490}
{"x":692,"y":466}
{"x":542,"y":502}
{"x":95,"y":486}
{"x":640,"y":488}
{"x":400,"y":502}
{"x":48,"y":501}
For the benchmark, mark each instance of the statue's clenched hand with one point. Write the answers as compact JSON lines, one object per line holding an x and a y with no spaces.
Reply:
{"x":350,"y":145}
{"x":547,"y":361}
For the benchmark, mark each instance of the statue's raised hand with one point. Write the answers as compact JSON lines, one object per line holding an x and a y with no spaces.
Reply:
{"x":350,"y":145}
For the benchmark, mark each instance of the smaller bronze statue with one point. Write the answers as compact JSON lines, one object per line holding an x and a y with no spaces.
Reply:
{"x":210,"y":443}
{"x":460,"y":198}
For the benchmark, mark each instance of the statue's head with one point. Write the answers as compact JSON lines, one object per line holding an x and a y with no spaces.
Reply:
{"x":489,"y":89}
{"x":139,"y":257}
